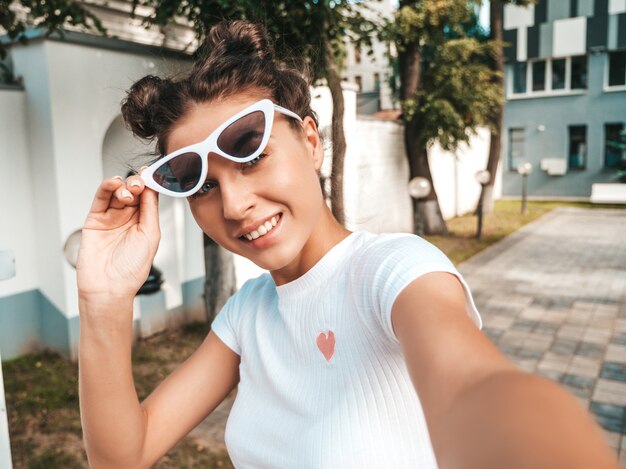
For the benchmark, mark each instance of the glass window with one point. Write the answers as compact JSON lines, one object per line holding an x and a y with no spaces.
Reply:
{"x":617,"y":68}
{"x":577,"y":147}
{"x":519,"y":77}
{"x":359,"y":82}
{"x":558,"y":74}
{"x":579,"y":73}
{"x":357,"y":54}
{"x":516,"y":148}
{"x":377,"y":81}
{"x":614,"y":145}
{"x":539,"y":75}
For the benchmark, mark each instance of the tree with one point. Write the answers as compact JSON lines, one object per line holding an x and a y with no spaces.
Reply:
{"x":496,"y":8}
{"x":313,"y":29}
{"x":17,"y":16}
{"x":446,"y":88}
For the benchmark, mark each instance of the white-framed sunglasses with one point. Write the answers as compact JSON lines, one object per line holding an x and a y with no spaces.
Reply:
{"x":241,"y":138}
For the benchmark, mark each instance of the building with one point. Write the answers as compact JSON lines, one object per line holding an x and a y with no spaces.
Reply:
{"x":566,"y":95}
{"x":370,"y":68}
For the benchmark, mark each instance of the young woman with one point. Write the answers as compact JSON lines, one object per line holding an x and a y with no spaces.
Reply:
{"x":357,"y":350}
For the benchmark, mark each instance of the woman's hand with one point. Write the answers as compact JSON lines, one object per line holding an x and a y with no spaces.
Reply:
{"x":119,"y":240}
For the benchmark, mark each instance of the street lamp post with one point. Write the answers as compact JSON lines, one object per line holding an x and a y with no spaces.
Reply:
{"x":419,"y":188}
{"x":524,"y":170}
{"x":482,"y":177}
{"x":7,"y":270}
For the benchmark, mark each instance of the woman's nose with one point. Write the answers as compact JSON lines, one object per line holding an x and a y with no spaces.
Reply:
{"x":237,"y":198}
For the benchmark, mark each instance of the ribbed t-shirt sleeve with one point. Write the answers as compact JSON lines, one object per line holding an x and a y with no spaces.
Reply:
{"x":229,"y":323}
{"x":225,"y":324}
{"x":393,"y":261}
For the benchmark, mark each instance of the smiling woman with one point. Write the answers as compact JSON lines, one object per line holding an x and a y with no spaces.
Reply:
{"x":355,"y":350}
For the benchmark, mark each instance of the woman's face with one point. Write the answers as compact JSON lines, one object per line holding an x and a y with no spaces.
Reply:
{"x":236,"y":199}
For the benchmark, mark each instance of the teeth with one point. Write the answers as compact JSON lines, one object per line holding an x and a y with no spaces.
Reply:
{"x":263,"y":229}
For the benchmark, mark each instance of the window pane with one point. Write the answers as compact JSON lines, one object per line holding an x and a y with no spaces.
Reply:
{"x":577,"y":147}
{"x":519,"y":77}
{"x":579,"y":72}
{"x":617,"y":68}
{"x":516,"y":148}
{"x":558,"y":74}
{"x":539,"y":75}
{"x":614,"y":145}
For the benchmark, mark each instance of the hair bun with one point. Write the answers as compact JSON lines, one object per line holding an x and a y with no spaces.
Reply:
{"x":139,"y":106}
{"x":239,"y":37}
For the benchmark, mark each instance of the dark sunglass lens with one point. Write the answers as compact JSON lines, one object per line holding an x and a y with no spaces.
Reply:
{"x":243,"y":137}
{"x":180,"y":174}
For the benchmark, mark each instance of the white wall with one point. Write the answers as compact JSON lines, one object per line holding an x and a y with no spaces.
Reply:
{"x":17,"y":224}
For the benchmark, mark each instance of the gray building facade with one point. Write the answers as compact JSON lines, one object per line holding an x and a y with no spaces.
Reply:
{"x":565,"y":84}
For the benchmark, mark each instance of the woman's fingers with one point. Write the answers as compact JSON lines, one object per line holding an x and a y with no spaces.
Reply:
{"x":149,"y":211}
{"x":104,"y":194}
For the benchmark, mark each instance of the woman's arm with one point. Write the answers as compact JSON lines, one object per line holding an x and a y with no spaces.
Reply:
{"x":120,"y":432}
{"x":118,"y":245}
{"x":482,"y":412}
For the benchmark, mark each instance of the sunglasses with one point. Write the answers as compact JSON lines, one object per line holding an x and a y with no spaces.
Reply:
{"x":241,"y":138}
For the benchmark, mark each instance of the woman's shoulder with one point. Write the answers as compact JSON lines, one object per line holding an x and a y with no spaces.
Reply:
{"x":378,"y":247}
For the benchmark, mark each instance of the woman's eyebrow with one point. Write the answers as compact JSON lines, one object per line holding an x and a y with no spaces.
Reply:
{"x":246,"y":138}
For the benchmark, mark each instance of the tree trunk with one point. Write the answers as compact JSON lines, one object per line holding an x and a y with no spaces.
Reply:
{"x":220,"y":282}
{"x":495,"y":144}
{"x":427,"y":217}
{"x":333,"y":78}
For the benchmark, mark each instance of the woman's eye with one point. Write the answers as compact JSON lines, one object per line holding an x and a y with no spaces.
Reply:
{"x":253,"y":162}
{"x":204,"y":189}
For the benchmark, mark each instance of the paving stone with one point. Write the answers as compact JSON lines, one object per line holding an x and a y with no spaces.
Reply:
{"x":546,"y":328}
{"x":590,"y":350}
{"x":610,"y":417}
{"x":616,"y":353}
{"x":619,"y":338}
{"x":614,"y":371}
{"x":612,"y":439}
{"x":579,"y":385}
{"x":570,"y":332}
{"x":564,"y":346}
{"x":610,"y":392}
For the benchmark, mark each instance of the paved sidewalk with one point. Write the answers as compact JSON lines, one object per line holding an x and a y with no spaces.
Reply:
{"x":553,"y":299}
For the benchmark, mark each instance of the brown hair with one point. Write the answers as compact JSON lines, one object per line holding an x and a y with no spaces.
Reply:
{"x":235,"y":57}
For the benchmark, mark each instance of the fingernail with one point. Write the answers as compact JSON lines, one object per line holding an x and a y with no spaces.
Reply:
{"x":126,"y":194}
{"x":118,"y":177}
{"x":134,"y":183}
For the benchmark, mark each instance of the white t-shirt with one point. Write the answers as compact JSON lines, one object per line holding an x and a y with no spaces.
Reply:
{"x":323,"y":381}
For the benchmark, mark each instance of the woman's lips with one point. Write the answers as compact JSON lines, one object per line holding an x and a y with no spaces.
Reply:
{"x":266,"y":239}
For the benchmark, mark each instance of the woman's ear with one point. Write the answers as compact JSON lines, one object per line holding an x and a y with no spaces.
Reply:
{"x":313,"y":142}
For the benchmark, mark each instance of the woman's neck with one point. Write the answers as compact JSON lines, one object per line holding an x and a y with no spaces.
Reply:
{"x":326,"y":234}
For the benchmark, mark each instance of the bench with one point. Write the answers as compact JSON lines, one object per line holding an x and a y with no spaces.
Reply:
{"x":608,"y":193}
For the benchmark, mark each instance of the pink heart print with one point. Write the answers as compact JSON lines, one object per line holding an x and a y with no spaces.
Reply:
{"x":326,"y":344}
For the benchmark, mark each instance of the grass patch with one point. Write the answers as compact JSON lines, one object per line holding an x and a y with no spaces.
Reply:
{"x":41,"y":392}
{"x":461,"y":243}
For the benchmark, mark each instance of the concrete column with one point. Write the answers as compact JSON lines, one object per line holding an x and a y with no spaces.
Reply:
{"x":5,"y":447}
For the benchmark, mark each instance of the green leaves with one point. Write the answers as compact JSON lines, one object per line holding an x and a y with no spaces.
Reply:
{"x":456,"y":92}
{"x":16,"y":16}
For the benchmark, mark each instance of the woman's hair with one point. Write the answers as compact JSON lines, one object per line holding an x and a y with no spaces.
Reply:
{"x":236,"y":57}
